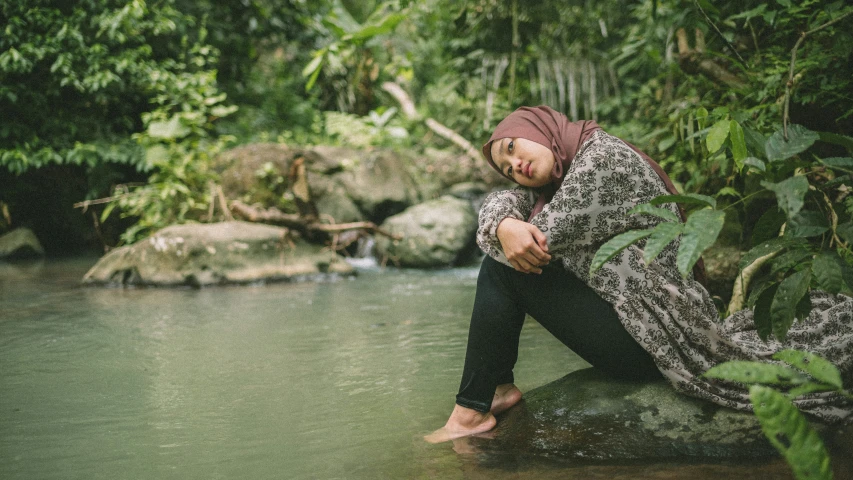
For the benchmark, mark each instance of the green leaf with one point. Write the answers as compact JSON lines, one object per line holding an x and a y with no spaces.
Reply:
{"x":836,"y":139}
{"x":808,"y":387}
{"x":169,"y":129}
{"x":790,"y":433}
{"x":799,"y":139}
{"x":663,"y":213}
{"x":755,"y":142}
{"x":661,"y":236}
{"x":728,"y":191}
{"x":784,"y":307}
{"x":314,"y":64}
{"x":790,"y":259}
{"x":845,"y":231}
{"x":790,"y":193}
{"x":765,"y":248}
{"x":701,"y":115}
{"x":700,"y":232}
{"x":614,"y":246}
{"x":752,"y":373}
{"x":818,"y":367}
{"x":755,"y":163}
{"x":842,"y":163}
{"x":761,"y":311}
{"x":717,"y":135}
{"x":687,"y":199}
{"x":807,"y":224}
{"x":768,"y":226}
{"x":738,"y":144}
{"x":827,"y":271}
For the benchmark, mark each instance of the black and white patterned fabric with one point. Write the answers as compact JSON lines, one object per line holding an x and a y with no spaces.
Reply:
{"x":672,"y":317}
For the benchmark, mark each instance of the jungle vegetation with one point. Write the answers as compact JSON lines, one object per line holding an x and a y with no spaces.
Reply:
{"x":747,"y":104}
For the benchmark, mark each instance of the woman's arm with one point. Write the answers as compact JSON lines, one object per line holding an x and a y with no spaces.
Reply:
{"x":592,"y":204}
{"x":505,"y":235}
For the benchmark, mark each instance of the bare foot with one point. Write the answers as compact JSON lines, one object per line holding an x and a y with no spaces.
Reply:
{"x":462,"y":423}
{"x":506,"y":396}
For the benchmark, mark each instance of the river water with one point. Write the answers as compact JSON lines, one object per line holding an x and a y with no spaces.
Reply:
{"x":336,"y":379}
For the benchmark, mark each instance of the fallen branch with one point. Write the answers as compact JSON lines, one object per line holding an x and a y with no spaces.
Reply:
{"x":408,"y":107}
{"x":296,"y":222}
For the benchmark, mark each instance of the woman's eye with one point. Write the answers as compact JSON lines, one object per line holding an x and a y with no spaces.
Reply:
{"x":509,"y":172}
{"x":510,"y":147}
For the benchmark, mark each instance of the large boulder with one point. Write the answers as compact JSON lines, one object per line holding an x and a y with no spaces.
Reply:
{"x":20,"y":243}
{"x":219,"y":253}
{"x":586,"y":415}
{"x":435,"y":233}
{"x":345,"y":184}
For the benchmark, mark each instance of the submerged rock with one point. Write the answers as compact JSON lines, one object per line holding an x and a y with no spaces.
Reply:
{"x":435,"y":233}
{"x":586,"y":415}
{"x":218,"y":253}
{"x":20,"y":243}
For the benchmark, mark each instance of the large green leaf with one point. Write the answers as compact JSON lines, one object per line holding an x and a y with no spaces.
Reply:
{"x":755,"y":163}
{"x":816,"y":366}
{"x":799,"y":139}
{"x":687,"y":199}
{"x":761,"y":311}
{"x":845,"y":231}
{"x":827,"y":271}
{"x":767,"y":227}
{"x":807,"y":224}
{"x":765,"y":248}
{"x":738,"y":144}
{"x":842,"y":163}
{"x":717,"y":135}
{"x":648,"y":209}
{"x":790,"y":433}
{"x":784,"y":307}
{"x":700,"y":232}
{"x":790,"y":259}
{"x":834,"y":138}
{"x":790,"y":193}
{"x":661,"y":236}
{"x":751,"y":373}
{"x":614,"y":246}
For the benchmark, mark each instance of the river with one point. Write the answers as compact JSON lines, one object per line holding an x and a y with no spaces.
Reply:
{"x":336,"y":379}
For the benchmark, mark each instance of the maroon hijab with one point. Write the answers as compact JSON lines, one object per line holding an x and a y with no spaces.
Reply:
{"x":552,"y":129}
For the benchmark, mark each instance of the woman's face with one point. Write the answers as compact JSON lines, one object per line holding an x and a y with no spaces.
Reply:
{"x":524,"y":161}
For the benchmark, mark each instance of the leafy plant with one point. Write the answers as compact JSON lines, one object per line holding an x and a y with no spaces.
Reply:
{"x":785,"y":427}
{"x":807,"y":234}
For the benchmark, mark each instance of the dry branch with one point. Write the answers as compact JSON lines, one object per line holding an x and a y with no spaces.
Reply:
{"x":411,"y":113}
{"x":275,"y":216}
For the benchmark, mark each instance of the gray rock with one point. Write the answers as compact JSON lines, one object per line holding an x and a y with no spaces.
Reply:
{"x":219,"y":253}
{"x":435,"y":233}
{"x":378,"y":182}
{"x":586,"y":415}
{"x":20,"y":243}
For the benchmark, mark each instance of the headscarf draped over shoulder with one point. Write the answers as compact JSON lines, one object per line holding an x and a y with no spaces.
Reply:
{"x":553,"y":130}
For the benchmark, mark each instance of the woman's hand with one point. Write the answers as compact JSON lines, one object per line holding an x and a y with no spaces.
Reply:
{"x":524,"y":245}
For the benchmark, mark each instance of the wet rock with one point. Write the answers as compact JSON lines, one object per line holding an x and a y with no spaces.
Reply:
{"x":20,"y":243}
{"x":378,"y":181}
{"x":586,"y":415}
{"x":435,"y":233}
{"x":219,"y":253}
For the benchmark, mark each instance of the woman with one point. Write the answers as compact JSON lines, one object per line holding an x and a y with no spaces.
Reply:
{"x":577,"y":184}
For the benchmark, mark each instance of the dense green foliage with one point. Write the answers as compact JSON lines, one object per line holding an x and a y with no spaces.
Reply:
{"x":772,"y":387}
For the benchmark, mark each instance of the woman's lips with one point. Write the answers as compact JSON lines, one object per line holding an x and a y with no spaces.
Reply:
{"x":526,"y":170}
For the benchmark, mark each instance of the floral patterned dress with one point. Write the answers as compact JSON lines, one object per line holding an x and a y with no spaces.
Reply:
{"x":672,"y":317}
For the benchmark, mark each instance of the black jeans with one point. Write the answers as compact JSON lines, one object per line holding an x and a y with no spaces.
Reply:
{"x":561,"y":303}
